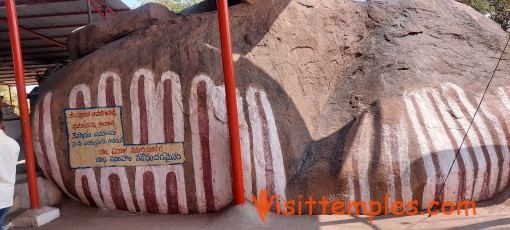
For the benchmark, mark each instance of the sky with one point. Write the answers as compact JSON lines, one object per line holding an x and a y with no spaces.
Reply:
{"x":30,"y":88}
{"x":131,"y":3}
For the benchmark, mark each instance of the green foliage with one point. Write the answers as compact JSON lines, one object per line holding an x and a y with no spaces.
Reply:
{"x":4,"y":90}
{"x":482,"y":6}
{"x":502,"y":13}
{"x":173,"y":5}
{"x":497,"y":10}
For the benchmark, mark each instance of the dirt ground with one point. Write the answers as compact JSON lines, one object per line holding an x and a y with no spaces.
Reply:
{"x":494,"y":214}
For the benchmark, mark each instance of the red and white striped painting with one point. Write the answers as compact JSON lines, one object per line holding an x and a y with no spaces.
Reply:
{"x":157,"y":116}
{"x":211,"y":158}
{"x":267,"y":154}
{"x":430,"y":130}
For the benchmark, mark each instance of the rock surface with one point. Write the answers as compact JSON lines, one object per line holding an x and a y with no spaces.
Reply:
{"x":343,"y":99}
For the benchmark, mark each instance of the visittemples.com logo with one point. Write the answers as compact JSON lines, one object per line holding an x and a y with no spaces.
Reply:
{"x":374,"y":208}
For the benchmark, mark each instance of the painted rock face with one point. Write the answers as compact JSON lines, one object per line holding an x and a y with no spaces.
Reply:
{"x":157,"y":116}
{"x":435,"y":122}
{"x":348,"y":123}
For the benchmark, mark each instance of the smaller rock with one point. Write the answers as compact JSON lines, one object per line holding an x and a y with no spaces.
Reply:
{"x":92,"y":37}
{"x":49,"y":194}
{"x":36,"y":217}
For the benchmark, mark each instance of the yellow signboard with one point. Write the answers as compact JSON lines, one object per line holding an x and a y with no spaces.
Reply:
{"x":95,"y":138}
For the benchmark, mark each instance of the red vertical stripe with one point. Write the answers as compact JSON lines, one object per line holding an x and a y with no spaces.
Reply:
{"x":116,"y":192}
{"x":266,"y":138}
{"x":149,"y":192}
{"x":80,"y":100}
{"x":110,"y":90}
{"x":171,"y":193}
{"x":203,"y":126}
{"x":86,"y":190}
{"x":144,"y":130}
{"x":44,"y":150}
{"x":168,"y":115}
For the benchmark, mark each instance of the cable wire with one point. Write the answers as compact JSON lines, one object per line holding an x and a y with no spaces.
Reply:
{"x":469,"y":128}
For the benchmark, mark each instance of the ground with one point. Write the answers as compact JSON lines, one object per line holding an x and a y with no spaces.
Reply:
{"x":494,"y":214}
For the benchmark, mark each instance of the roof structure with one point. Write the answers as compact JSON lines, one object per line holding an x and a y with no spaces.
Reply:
{"x":44,"y":28}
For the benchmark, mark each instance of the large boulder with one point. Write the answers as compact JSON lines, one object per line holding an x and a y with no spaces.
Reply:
{"x":344,"y":99}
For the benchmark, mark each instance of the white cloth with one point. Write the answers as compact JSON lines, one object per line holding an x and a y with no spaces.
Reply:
{"x":9,"y":151}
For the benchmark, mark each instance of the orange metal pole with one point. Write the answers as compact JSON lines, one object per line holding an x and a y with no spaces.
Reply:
{"x":22,"y":102}
{"x":102,"y":3}
{"x":230,"y":91}
{"x":98,"y":10}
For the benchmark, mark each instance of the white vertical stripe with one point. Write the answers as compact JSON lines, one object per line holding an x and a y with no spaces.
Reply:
{"x":350,"y":182}
{"x":245,"y":148}
{"x":505,"y":99}
{"x":135,"y":107}
{"x":429,"y":189}
{"x":219,"y":143}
